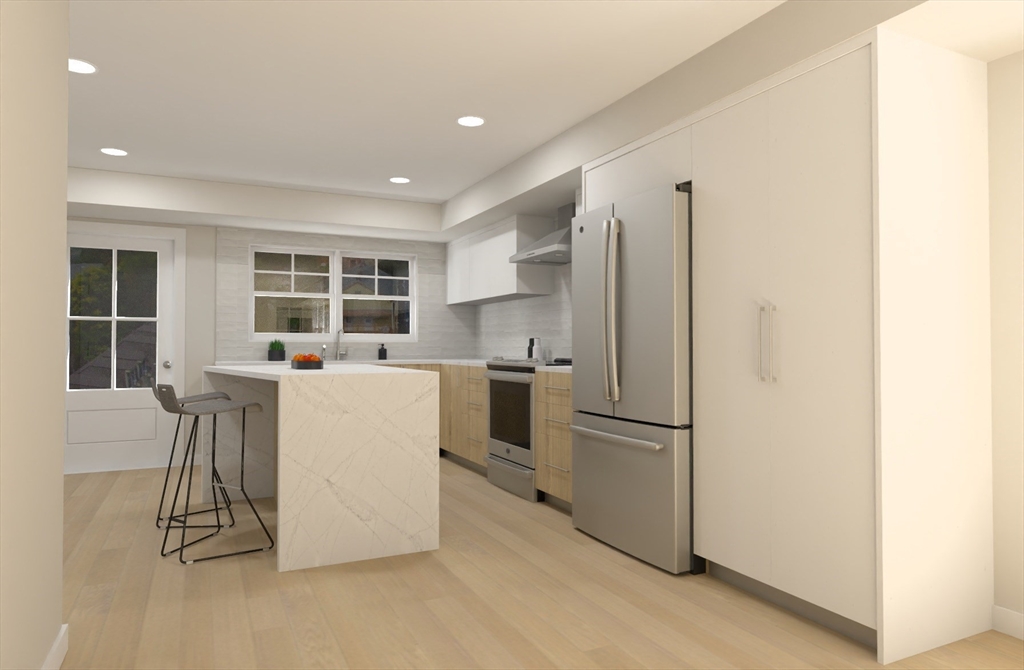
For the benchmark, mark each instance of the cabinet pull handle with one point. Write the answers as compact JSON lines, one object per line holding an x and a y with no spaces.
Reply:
{"x":475,"y":379}
{"x":558,"y":388}
{"x":474,"y":439}
{"x":474,"y":404}
{"x":555,"y":467}
{"x":548,"y":418}
{"x":771,"y":343}
{"x":760,"y":339}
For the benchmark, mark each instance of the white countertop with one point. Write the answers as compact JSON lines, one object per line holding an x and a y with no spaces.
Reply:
{"x":274,"y":372}
{"x":286,"y":365}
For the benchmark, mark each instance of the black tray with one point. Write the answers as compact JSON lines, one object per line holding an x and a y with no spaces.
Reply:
{"x":307,"y":365}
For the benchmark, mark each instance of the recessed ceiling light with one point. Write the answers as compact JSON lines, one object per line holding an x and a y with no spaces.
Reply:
{"x":80,"y":66}
{"x":399,"y":180}
{"x":113,"y":152}
{"x":471,"y":121}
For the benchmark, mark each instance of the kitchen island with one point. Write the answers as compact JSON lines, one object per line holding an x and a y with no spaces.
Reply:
{"x":349,"y":452}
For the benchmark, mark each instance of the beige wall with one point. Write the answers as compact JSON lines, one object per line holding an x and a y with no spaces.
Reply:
{"x":33,"y":238}
{"x":1006,"y":180}
{"x":933,"y":348}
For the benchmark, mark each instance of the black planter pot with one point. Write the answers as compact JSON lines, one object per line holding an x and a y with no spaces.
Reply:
{"x":275,"y":354}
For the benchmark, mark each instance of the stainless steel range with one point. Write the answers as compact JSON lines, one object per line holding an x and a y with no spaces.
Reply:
{"x":510,"y":441}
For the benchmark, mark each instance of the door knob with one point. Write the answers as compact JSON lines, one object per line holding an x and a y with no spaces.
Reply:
{"x":167,"y":365}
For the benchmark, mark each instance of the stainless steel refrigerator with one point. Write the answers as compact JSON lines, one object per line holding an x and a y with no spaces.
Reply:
{"x":632,"y":451}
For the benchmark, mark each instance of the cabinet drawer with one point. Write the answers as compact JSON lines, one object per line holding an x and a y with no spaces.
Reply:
{"x":554,"y":466}
{"x":553,"y":420}
{"x":553,"y":387}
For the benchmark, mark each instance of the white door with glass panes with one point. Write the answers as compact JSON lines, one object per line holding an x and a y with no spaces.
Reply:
{"x":123,"y":330}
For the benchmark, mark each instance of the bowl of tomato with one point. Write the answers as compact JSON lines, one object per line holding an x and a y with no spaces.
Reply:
{"x":307,"y":362}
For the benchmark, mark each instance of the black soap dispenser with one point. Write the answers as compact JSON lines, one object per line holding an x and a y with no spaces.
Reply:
{"x":382,"y":353}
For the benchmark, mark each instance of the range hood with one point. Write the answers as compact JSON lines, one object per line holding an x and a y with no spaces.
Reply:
{"x":554,"y":248}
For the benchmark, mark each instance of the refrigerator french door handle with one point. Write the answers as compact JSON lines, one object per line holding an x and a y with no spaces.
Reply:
{"x":617,"y":439}
{"x":771,"y":343}
{"x":613,"y":317}
{"x":760,"y":340}
{"x":605,"y":225}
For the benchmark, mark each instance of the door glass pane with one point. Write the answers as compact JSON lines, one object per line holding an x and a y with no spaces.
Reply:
{"x":89,"y":356}
{"x":312,"y":283}
{"x":357,"y":286}
{"x":136,"y":354}
{"x":92,"y":271}
{"x":357,"y":266}
{"x":136,"y":283}
{"x":376,"y":316}
{"x":263,"y":281}
{"x":278,"y":314}
{"x":273,"y":262}
{"x":389,"y":268}
{"x":318,"y":264}
{"x":393,"y":286}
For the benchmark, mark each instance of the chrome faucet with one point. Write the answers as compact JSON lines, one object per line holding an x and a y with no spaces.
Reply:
{"x":339,"y":354}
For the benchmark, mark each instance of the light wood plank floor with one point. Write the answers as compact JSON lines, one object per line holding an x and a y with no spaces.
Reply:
{"x":513,"y":585}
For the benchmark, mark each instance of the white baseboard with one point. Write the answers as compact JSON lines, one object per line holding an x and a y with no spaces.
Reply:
{"x":1007,"y":621}
{"x":58,"y":651}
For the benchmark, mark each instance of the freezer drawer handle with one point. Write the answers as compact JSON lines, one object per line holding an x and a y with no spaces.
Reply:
{"x":617,"y":439}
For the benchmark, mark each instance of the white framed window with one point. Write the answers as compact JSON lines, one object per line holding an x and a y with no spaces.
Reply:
{"x":309,"y":295}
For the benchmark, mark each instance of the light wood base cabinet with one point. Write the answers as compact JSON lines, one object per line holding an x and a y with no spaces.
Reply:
{"x":468,"y":413}
{"x":552,"y":415}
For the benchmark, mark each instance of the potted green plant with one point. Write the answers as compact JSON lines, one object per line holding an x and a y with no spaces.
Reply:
{"x":276,"y":351}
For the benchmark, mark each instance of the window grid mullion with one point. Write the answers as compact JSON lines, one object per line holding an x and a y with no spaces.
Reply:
{"x":113,"y":325}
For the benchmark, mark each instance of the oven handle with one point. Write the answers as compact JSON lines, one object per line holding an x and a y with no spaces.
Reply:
{"x":514,"y":377}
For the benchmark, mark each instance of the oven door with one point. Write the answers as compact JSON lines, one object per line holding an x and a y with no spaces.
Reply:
{"x":511,"y":416}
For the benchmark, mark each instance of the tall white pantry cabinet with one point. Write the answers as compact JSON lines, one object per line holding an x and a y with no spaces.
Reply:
{"x":842,"y":409}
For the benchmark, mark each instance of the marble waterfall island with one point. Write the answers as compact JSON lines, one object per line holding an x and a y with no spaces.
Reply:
{"x":350,"y":452}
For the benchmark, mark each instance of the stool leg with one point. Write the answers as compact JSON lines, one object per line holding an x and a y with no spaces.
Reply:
{"x":183,"y":518}
{"x":241,"y":485}
{"x":188,"y":496}
{"x":163,"y":491}
{"x":251,"y":506}
{"x":184,"y":460}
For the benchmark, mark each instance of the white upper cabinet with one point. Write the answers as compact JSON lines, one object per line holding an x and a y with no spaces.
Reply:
{"x":478,"y":266}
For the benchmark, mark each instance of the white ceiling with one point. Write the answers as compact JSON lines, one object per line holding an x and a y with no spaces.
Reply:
{"x":982,"y":29}
{"x":340,"y":96}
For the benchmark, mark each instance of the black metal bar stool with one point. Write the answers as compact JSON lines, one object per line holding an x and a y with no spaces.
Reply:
{"x":187,"y":400}
{"x":213,"y":407}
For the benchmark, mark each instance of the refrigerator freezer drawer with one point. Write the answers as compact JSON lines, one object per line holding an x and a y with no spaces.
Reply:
{"x":631,"y":488}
